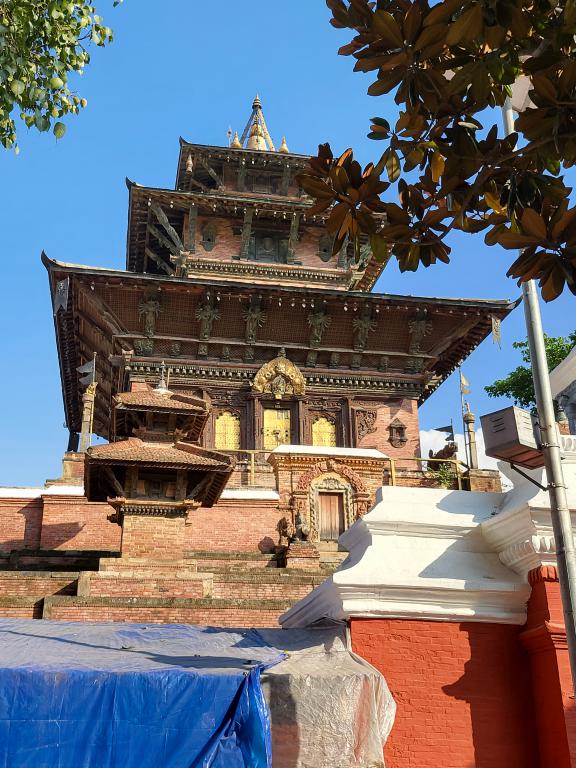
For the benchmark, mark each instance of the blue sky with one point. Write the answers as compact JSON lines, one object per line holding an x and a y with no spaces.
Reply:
{"x":183,"y":68}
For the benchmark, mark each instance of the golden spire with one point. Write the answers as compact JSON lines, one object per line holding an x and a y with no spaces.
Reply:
{"x":256,"y":131}
{"x":283,"y":146}
{"x":236,"y":142}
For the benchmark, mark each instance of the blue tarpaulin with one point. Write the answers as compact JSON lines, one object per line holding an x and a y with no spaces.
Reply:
{"x":81,"y":695}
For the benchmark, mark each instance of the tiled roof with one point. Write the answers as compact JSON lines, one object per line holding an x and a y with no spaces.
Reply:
{"x":136,"y":450}
{"x":170,"y":400}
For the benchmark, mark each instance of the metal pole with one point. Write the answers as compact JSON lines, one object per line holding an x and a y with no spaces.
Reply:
{"x":560,"y":512}
{"x":462,"y":412}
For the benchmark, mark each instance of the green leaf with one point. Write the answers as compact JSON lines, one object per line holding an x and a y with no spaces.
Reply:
{"x":59,"y":130}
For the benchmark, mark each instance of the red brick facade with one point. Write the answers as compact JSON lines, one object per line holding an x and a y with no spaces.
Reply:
{"x":462,"y":691}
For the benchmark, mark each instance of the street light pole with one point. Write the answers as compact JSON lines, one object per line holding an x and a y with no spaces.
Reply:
{"x":560,"y":512}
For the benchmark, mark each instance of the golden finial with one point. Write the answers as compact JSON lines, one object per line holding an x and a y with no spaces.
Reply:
{"x":236,"y":143}
{"x":284,"y":146}
{"x":256,"y":104}
{"x":256,"y":139}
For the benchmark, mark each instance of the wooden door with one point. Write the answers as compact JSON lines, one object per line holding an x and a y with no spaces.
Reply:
{"x":331,"y":521}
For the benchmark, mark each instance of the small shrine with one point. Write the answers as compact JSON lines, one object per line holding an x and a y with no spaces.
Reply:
{"x":154,"y":474}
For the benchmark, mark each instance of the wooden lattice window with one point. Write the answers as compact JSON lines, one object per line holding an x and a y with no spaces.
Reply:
{"x":227,"y":432}
{"x":324,"y":432}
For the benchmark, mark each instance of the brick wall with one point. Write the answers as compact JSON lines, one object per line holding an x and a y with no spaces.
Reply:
{"x":407,"y":412}
{"x":153,"y":538}
{"x":462,"y":690}
{"x":32,"y":584}
{"x":71,"y":522}
{"x":545,"y":641}
{"x":234,"y":526}
{"x":20,"y":523}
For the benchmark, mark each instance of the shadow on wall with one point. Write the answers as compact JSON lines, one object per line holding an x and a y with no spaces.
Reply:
{"x":57,"y":534}
{"x":496,"y":685}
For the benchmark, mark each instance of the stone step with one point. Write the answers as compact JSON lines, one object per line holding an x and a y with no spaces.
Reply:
{"x":30,"y":607}
{"x":55,"y":559}
{"x":268,"y":585}
{"x":202,"y":612}
{"x":33,"y":583}
{"x":144,"y":584}
{"x":233,"y":561}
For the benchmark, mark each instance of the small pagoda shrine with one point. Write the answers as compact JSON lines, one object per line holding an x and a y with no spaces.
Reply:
{"x":155,"y":475}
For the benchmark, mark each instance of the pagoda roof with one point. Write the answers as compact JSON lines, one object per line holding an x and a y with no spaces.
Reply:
{"x":102,"y":315}
{"x":177,"y":455}
{"x":151,"y":399}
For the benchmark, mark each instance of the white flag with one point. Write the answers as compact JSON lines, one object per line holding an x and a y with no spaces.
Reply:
{"x":464,"y":384}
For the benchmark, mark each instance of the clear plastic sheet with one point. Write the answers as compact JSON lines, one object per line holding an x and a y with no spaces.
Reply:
{"x":328,"y":707}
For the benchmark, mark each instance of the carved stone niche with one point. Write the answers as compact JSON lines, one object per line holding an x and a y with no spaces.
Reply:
{"x":397,"y":431}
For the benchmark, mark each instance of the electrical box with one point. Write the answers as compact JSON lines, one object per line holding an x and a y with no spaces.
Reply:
{"x":513,"y":435}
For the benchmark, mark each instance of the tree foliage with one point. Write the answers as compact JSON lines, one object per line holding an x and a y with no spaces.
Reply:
{"x":41,"y":43}
{"x":446,"y":64}
{"x":518,"y":385}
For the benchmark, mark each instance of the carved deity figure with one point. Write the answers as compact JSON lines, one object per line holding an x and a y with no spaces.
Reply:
{"x":255,"y":318}
{"x":419,"y":328}
{"x":363,"y":325}
{"x":206,"y":314}
{"x":149,"y":309}
{"x":318,"y":322}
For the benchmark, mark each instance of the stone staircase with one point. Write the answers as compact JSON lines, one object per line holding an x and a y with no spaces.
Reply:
{"x":219,"y":589}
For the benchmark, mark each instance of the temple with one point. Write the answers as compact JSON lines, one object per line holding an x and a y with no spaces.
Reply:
{"x":244,"y":450}
{"x":252,"y":390}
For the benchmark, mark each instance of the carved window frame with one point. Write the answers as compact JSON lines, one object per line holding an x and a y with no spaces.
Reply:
{"x":397,"y":436}
{"x":330,"y":419}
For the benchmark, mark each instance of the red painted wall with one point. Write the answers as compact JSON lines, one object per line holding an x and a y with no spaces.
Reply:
{"x":462,"y":690}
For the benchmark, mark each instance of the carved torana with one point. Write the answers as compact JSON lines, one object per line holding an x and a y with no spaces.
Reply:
{"x":280,"y":377}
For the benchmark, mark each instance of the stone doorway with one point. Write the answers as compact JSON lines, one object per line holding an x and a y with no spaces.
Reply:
{"x":331,"y":517}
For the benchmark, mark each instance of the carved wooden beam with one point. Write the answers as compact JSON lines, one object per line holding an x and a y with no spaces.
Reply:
{"x":170,"y":231}
{"x":114,"y":482}
{"x":103,"y":310}
{"x":161,"y":237}
{"x":246,"y":232}
{"x":242,"y":177}
{"x":293,"y":239}
{"x":159,"y":261}
{"x":211,"y":172}
{"x":191,"y":230}
{"x":195,"y":183}
{"x":285,"y":183}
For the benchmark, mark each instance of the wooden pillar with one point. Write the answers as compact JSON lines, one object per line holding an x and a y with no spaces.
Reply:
{"x":88,"y":399}
{"x":246,"y":232}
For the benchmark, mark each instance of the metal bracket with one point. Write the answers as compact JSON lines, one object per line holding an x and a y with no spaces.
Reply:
{"x":527,"y":477}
